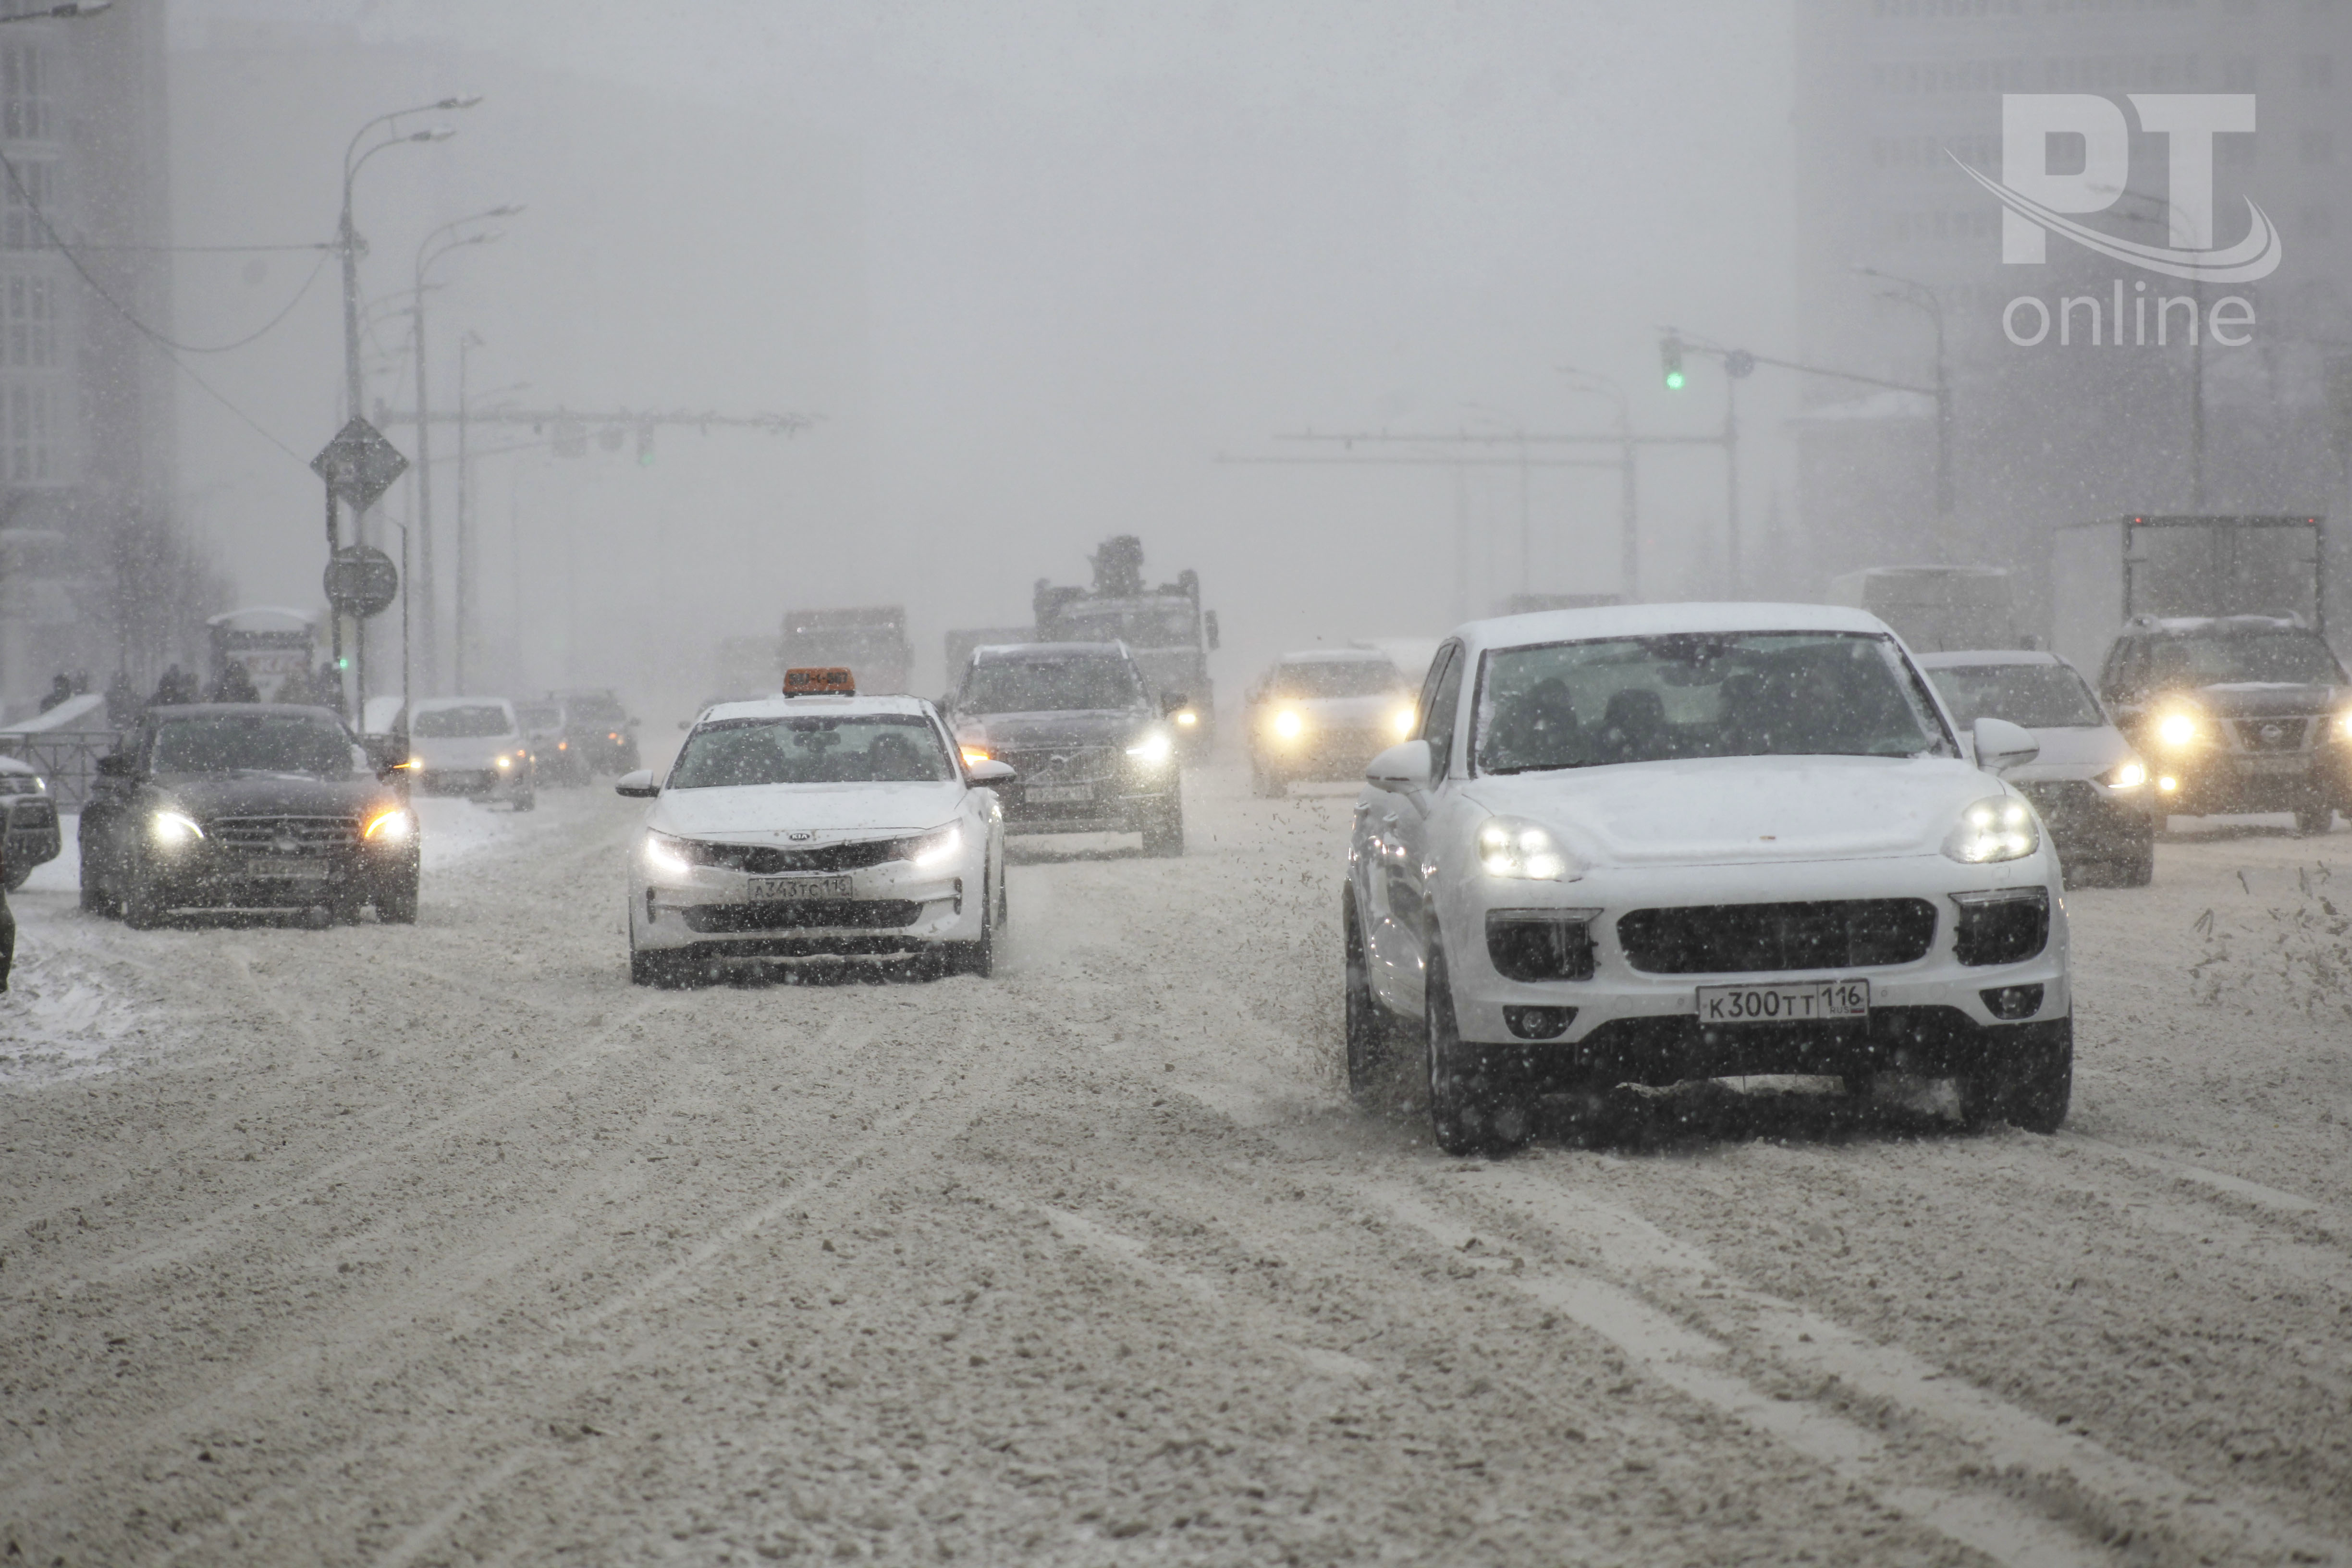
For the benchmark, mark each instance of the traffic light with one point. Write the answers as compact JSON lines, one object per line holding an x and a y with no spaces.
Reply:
{"x":1670,"y":356}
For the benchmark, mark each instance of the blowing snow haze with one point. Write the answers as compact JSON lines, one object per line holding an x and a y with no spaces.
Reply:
{"x":1218,"y":783}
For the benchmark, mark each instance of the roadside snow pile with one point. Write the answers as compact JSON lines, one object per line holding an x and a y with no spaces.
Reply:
{"x":58,"y":1020}
{"x":2298,"y":951}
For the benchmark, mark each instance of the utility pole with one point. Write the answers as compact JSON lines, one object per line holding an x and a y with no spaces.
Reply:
{"x":1923,"y":296}
{"x":465,"y":572}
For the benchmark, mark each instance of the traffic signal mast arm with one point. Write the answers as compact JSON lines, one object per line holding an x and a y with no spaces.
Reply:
{"x":1740,"y":362}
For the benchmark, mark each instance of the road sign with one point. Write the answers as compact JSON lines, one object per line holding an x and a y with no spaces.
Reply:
{"x":361,"y":581}
{"x":359,"y":465}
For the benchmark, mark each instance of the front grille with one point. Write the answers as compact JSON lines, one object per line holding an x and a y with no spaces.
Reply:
{"x":766,"y":860}
{"x":1762,"y":938}
{"x":802,"y":914}
{"x":265,"y":834}
{"x":1064,"y":764}
{"x":2273,"y":734}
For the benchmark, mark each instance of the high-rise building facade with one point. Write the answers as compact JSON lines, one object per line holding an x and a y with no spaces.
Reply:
{"x":2117,"y":406}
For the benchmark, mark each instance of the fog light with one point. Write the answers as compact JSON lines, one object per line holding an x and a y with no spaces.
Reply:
{"x":2168,"y":784}
{"x":2010,"y":1003}
{"x":1548,"y":1023}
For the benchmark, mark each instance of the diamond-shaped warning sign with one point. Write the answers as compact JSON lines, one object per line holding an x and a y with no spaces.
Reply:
{"x":359,"y":465}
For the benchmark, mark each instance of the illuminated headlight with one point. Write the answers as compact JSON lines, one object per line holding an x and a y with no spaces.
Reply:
{"x":2125,"y":775}
{"x":1999,"y":828}
{"x":1186,"y":718}
{"x":504,"y":762}
{"x":665,"y":855}
{"x":1508,"y":847}
{"x":936,"y":847}
{"x":172,"y":830}
{"x":2344,"y":724}
{"x":2179,"y":729}
{"x":1154,"y":749}
{"x":2168,"y":784}
{"x":1289,"y":724}
{"x":393,"y":826}
{"x":1400,"y":722}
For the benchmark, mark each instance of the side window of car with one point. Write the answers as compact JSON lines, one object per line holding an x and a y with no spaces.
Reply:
{"x":1439,"y":705}
{"x":2122,"y":677}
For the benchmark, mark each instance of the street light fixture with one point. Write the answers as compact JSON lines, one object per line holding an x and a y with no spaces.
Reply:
{"x":1923,"y":296}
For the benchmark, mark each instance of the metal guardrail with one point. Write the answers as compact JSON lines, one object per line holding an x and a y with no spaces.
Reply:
{"x":66,"y":758}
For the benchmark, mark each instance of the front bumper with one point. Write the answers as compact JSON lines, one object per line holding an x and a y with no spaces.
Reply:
{"x":2088,"y":822}
{"x":206,"y":877}
{"x":2219,"y":781}
{"x":1323,"y":756}
{"x":893,"y":908}
{"x":1926,"y":1011}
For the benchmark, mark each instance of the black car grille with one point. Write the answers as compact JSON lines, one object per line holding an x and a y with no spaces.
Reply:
{"x":765,"y":860}
{"x":1064,"y":764}
{"x":801,"y":914}
{"x":270,"y":835}
{"x":1760,"y":939}
{"x":2273,"y":734}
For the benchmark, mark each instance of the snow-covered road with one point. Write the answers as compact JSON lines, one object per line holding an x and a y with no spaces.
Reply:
{"x":443,"y":1245}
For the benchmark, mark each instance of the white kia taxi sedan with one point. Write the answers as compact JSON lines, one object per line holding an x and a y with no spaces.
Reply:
{"x":822,"y":826}
{"x":1658,"y":843}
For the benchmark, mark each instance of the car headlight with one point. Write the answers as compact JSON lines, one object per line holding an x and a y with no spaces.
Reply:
{"x":1999,"y":828}
{"x":171,"y":829}
{"x":1186,"y":718}
{"x":936,"y":847}
{"x":1400,"y":722}
{"x":390,"y":827}
{"x":665,"y":855}
{"x":2344,"y":724}
{"x":2125,"y":775}
{"x":502,"y":760}
{"x":1289,"y":724}
{"x":1508,"y":847}
{"x":1154,"y":749}
{"x":2180,"y":728}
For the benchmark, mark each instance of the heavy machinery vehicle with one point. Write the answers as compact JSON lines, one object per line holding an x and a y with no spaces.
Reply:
{"x":1164,"y":628}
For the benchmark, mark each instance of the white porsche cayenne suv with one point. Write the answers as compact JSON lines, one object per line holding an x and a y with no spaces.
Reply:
{"x":816,"y":827}
{"x":1658,"y":843}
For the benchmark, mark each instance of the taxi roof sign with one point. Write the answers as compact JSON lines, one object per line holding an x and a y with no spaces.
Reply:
{"x":830,"y":681}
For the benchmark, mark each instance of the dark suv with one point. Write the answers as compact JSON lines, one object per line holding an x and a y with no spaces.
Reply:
{"x":598,"y":733}
{"x":246,"y":805}
{"x":1083,"y":730}
{"x":2243,"y":713}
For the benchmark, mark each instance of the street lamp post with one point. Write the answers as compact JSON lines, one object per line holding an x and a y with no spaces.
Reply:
{"x":427,"y":611}
{"x":1922,"y":297}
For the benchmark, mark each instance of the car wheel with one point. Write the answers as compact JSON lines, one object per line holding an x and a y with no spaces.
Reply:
{"x":2139,"y":870}
{"x":1265,"y":784}
{"x":2312,"y":821}
{"x":2031,"y":1090}
{"x":1163,"y":830}
{"x":1004,"y":908}
{"x":94,"y":899}
{"x":669,"y":971}
{"x":977,"y":958}
{"x":142,"y":904}
{"x":17,"y":876}
{"x":1469,"y":1114}
{"x":527,"y":800}
{"x":1371,"y":1028}
{"x":395,"y":904}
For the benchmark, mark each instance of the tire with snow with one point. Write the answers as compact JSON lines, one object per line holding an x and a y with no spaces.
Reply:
{"x":1371,"y":1029}
{"x":1470,"y":1111}
{"x":669,"y":971}
{"x":977,"y":958}
{"x":396,"y":902}
{"x":1164,"y":829}
{"x":2030,"y":1087}
{"x":143,"y":905}
{"x":2137,"y":871}
{"x":2312,"y":821}
{"x":1264,"y":783}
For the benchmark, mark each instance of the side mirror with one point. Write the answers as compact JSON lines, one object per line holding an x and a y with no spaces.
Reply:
{"x":638,"y":785}
{"x":990,"y":772}
{"x":1172,"y":703}
{"x":384,"y":753}
{"x":1209,"y":620}
{"x":1400,"y":767}
{"x":2001,"y":745}
{"x":115,"y":765}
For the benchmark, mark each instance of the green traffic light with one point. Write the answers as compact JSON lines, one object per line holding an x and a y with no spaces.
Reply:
{"x":1673,"y":381}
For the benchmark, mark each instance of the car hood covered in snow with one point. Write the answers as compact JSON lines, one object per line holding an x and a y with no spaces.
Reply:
{"x":762,"y":813}
{"x":1713,"y":810}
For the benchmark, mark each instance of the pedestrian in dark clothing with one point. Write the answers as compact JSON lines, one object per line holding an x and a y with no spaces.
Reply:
{"x":234,"y":685}
{"x":121,"y":701}
{"x":176,"y":686}
{"x":60,"y":691}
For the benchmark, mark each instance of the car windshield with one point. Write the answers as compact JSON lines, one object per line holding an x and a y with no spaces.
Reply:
{"x":1642,"y":699}
{"x":597,"y":709}
{"x":1138,"y":626}
{"x":2038,"y":696}
{"x":1049,"y":685}
{"x":863,"y":748}
{"x":251,"y":743}
{"x":2219,"y":658}
{"x":473,"y":720}
{"x":539,"y":716}
{"x":1334,"y":677}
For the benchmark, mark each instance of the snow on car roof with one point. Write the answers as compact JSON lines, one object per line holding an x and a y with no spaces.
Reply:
{"x":436,"y":704}
{"x":1030,"y":652}
{"x":780,"y":705}
{"x":1987,"y":656}
{"x":1661,"y":620}
{"x":1335,"y":655}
